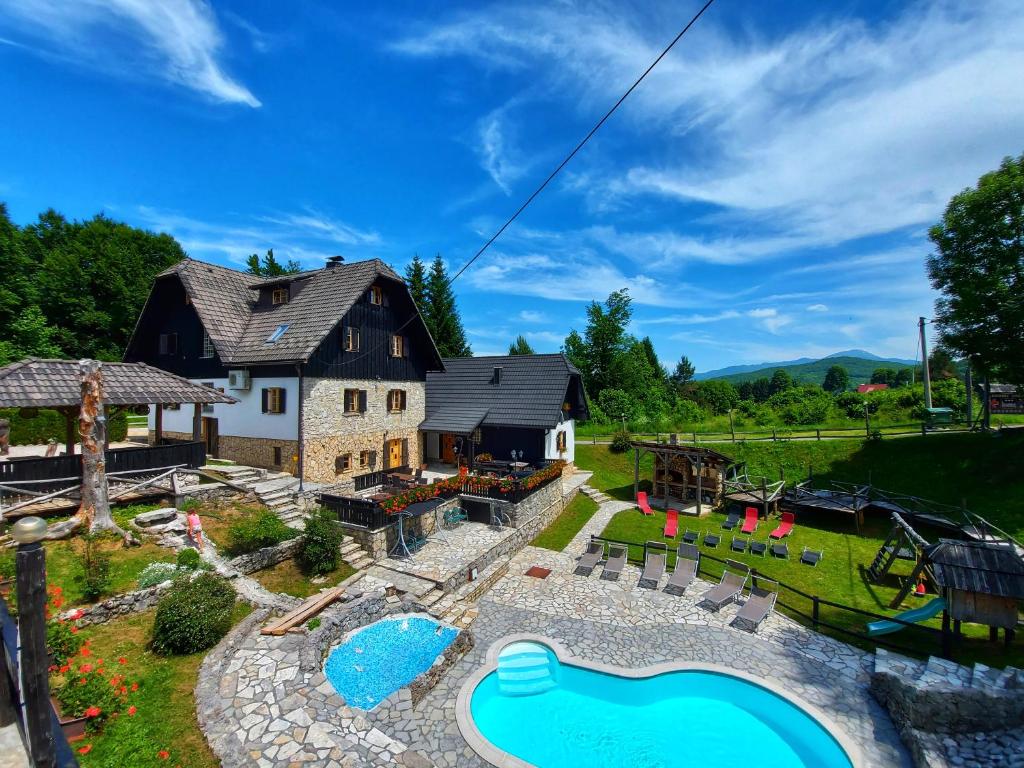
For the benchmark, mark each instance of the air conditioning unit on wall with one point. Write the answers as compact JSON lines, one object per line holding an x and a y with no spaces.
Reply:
{"x":239,"y":380}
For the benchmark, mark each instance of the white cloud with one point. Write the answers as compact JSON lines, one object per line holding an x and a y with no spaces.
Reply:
{"x":496,"y":150}
{"x":178,"y":41}
{"x":817,"y":308}
{"x":532,"y":316}
{"x":763,"y":312}
{"x":325,"y":227}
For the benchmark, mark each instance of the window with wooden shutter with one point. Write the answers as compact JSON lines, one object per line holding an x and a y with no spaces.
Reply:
{"x":351,"y":401}
{"x":273,"y":399}
{"x":376,"y":295}
{"x":350,"y":339}
{"x":364,"y":459}
{"x":168,"y":343}
{"x":279,"y":296}
{"x":397,"y":345}
{"x":396,"y":400}
{"x":362,"y":401}
{"x":560,"y":442}
{"x":343,"y":463}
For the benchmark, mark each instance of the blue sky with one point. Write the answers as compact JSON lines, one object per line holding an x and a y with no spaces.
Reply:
{"x":764,"y":195}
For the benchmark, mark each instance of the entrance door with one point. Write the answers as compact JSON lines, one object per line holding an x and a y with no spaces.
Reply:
{"x":394,"y":453}
{"x":448,"y":448}
{"x":209,"y":435}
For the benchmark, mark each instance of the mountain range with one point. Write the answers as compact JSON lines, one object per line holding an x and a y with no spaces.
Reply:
{"x":859,"y":363}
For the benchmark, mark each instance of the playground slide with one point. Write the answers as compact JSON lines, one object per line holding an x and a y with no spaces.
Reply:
{"x":928,"y":611}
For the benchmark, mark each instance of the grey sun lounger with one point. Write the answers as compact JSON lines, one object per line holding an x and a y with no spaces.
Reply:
{"x":729,"y":588}
{"x":759,"y":606}
{"x":687,"y":560}
{"x":617,"y":554}
{"x":590,"y":558}
{"x":654,"y":567}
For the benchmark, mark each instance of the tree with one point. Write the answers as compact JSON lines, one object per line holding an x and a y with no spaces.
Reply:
{"x":416,"y":279}
{"x":520,"y":347}
{"x":761,"y":389}
{"x":28,"y":335}
{"x":717,"y":395}
{"x":442,"y":314}
{"x":941,"y":365}
{"x":978,"y":267}
{"x":270,"y":266}
{"x":604,"y":341}
{"x":781,"y":381}
{"x":652,"y":358}
{"x":836,"y":380}
{"x":904,"y":377}
{"x":682,"y":376}
{"x":575,"y":349}
{"x":885,"y":376}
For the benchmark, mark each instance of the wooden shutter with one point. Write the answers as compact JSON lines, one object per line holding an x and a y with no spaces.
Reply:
{"x":281,"y":407}
{"x":264,"y":399}
{"x":402,"y":406}
{"x":362,"y":401}
{"x":405,"y":346}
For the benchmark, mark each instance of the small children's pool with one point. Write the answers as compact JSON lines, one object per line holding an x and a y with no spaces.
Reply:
{"x":377,"y":660}
{"x":551,"y":714}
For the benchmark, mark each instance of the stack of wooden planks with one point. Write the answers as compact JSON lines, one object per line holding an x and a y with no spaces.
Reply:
{"x":309,"y":608}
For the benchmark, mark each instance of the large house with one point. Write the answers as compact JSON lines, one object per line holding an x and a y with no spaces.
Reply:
{"x":329,"y":366}
{"x":337,"y":375}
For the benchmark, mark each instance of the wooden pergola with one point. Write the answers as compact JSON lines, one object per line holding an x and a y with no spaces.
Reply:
{"x":683,"y":472}
{"x":57,"y":385}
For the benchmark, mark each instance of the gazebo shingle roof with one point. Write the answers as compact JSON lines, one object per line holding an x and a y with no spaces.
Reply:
{"x":35,"y":383}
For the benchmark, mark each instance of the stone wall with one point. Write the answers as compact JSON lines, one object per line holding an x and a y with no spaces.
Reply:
{"x":251,"y":451}
{"x":377,"y":544}
{"x":935,"y":709}
{"x":266,"y":557}
{"x":329,"y":432}
{"x":356,"y":610}
{"x":425,"y":682}
{"x":120,"y":605}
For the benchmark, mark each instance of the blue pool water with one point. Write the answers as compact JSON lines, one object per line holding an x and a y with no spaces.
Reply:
{"x":559,"y":716}
{"x":378,"y":660}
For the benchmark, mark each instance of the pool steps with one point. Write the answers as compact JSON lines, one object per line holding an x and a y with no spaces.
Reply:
{"x":525,"y":669}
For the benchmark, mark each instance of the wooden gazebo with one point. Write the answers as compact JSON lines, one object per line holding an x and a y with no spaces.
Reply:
{"x":683,"y":473}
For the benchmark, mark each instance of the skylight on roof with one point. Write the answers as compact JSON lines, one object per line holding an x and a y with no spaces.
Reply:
{"x":277,"y":334}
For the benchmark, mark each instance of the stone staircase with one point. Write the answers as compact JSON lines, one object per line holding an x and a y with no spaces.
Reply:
{"x":275,"y":490}
{"x":354,"y":555}
{"x":598,"y":496}
{"x":941,"y":674}
{"x":457,"y":608}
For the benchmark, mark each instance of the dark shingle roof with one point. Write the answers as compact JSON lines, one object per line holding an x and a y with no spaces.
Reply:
{"x":530,"y":394}
{"x":226,"y":302}
{"x":34,"y":383}
{"x":974,"y":566}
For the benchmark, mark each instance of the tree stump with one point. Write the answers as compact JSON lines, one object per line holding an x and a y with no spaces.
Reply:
{"x":94,"y":511}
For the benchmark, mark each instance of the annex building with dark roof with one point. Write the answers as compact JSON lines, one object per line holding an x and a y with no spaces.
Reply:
{"x":480,"y":406}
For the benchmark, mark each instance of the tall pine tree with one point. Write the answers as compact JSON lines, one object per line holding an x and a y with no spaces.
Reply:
{"x":270,"y":266}
{"x":416,"y":279}
{"x":520,"y":347}
{"x":442,"y":315}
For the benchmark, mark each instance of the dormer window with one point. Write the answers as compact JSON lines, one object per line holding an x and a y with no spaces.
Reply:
{"x":277,"y":334}
{"x":376,"y":295}
{"x":279,"y":296}
{"x":208,"y":349}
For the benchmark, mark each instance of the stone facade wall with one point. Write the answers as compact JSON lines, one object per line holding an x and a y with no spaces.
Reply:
{"x":120,"y":605}
{"x":266,"y":557}
{"x":251,"y":451}
{"x":379,"y":543}
{"x":329,"y":432}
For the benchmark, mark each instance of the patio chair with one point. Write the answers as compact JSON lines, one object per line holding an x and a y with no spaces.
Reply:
{"x":617,"y":555}
{"x":750,"y":521}
{"x":785,"y":527}
{"x":690,"y":537}
{"x":712,"y":540}
{"x":780,"y":550}
{"x":738,"y":544}
{"x":729,"y":588}
{"x":731,"y":521}
{"x":759,"y":606}
{"x":590,"y":558}
{"x":654,"y":567}
{"x":641,"y":501}
{"x":687,"y":560}
{"x":671,"y":523}
{"x":757,"y":548}
{"x":810,"y":556}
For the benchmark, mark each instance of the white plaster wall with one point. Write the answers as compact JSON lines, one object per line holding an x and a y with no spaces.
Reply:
{"x":551,"y":441}
{"x":244,"y":418}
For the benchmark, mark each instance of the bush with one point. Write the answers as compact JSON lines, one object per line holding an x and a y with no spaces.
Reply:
{"x":91,"y":689}
{"x":257,"y":530}
{"x":156,"y":573}
{"x":194,"y":614}
{"x":95,"y":564}
{"x":620,"y":441}
{"x":47,"y":425}
{"x":645,"y":485}
{"x":318,"y":552}
{"x":189,"y":559}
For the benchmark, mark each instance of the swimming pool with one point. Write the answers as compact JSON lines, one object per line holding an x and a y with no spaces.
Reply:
{"x":546,"y":712}
{"x":373,"y":662}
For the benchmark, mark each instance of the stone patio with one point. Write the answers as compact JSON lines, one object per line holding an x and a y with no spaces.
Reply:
{"x":447,"y":553}
{"x":260,"y":709}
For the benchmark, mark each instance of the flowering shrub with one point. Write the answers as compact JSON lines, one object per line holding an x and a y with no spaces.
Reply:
{"x":156,"y":573}
{"x":193,"y":615}
{"x":87,"y":688}
{"x":62,"y":638}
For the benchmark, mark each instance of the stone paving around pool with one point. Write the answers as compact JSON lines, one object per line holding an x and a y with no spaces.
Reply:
{"x":258,"y":708}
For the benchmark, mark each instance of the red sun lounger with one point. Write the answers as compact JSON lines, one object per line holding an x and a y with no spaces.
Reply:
{"x":785,"y":527}
{"x":750,"y":521}
{"x":671,"y":524}
{"x":641,"y":501}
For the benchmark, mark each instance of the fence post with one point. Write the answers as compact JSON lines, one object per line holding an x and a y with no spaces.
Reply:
{"x":818,"y":431}
{"x":773,"y":435}
{"x":595,"y":438}
{"x":814,"y":612}
{"x":694,"y":438}
{"x":923,"y":430}
{"x":35,"y":680}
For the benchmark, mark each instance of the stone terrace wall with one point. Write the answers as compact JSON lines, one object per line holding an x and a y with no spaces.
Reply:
{"x":377,"y":544}
{"x":120,"y":605}
{"x":266,"y":557}
{"x":935,"y":709}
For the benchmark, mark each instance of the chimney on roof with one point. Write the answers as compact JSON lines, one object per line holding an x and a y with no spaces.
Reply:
{"x":334,"y":261}
{"x":496,"y":376}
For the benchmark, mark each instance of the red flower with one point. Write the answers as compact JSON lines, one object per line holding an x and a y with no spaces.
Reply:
{"x":74,"y":630}
{"x":135,"y":686}
{"x":65,"y":668}
{"x":163,"y":754}
{"x":81,"y":681}
{"x":85,"y":750}
{"x":85,"y":668}
{"x":92,"y":712}
{"x":124,"y":691}
{"x":132,"y":710}
{"x":122,"y":660}
{"x":86,"y":651}
{"x":78,"y":613}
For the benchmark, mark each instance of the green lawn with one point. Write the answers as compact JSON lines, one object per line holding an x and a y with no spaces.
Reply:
{"x":563,"y":528}
{"x":126,"y":563}
{"x":287,"y":578}
{"x":931,"y":465}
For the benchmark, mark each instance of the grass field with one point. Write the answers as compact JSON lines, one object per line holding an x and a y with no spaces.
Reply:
{"x":563,"y":528}
{"x":287,"y":578}
{"x":988,"y":471}
{"x":63,"y":565}
{"x":165,"y":718}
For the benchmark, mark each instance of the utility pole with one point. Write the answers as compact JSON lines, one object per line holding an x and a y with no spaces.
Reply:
{"x":969,"y":385}
{"x":925,"y":373}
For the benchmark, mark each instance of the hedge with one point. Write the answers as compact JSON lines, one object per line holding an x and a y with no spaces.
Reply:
{"x":50,"y":424}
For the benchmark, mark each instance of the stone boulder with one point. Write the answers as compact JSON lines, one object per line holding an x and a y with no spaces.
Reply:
{"x":155,"y":518}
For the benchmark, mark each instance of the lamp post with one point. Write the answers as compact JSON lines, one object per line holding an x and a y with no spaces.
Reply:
{"x":30,"y":561}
